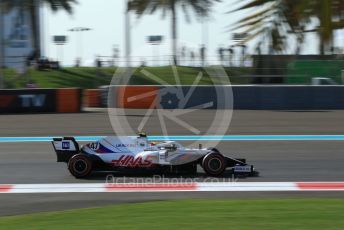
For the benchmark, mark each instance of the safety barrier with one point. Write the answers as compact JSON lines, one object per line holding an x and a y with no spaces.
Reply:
{"x":288,"y":97}
{"x":40,"y":100}
{"x":137,"y":97}
{"x":161,"y":97}
{"x":255,"y":97}
{"x":281,"y":97}
{"x":92,"y":98}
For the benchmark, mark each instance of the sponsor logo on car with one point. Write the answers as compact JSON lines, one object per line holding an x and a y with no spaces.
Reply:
{"x":65,"y":145}
{"x":243,"y":169}
{"x":130,"y":161}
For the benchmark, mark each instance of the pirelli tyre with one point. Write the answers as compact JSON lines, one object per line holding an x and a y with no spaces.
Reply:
{"x":80,"y":166}
{"x":214,"y":164}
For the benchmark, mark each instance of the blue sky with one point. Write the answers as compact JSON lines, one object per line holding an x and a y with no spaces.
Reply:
{"x":106,"y":18}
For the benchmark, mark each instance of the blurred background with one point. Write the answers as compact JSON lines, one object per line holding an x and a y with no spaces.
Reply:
{"x":68,"y":43}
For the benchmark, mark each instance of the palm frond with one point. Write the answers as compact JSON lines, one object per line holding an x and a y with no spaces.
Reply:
{"x":254,"y":3}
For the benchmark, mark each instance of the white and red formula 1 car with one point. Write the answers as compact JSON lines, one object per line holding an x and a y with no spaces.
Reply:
{"x":138,"y":153}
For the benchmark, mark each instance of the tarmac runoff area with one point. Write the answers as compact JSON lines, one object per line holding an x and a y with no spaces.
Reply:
{"x":276,"y":160}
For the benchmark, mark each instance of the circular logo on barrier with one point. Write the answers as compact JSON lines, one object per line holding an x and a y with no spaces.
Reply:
{"x":193,"y":103}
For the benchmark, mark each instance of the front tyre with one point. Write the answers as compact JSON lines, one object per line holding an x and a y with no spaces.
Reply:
{"x":80,"y":166}
{"x":214,"y":164}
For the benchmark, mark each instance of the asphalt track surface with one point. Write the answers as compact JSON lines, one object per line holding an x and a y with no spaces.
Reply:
{"x":276,"y":160}
{"x":243,"y":122}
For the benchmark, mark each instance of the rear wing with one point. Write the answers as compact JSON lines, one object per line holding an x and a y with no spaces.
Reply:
{"x":65,"y":148}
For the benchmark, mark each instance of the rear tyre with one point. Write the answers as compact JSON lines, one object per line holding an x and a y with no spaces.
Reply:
{"x":80,"y":166}
{"x":214,"y":164}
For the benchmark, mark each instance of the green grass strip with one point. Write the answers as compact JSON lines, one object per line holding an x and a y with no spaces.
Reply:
{"x":193,"y":214}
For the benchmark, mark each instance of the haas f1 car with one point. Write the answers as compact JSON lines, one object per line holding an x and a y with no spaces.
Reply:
{"x":138,"y":153}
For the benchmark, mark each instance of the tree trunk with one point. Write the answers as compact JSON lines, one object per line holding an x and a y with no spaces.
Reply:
{"x":174,"y":32}
{"x":321,"y":45}
{"x":326,"y":29}
{"x":35,"y":29}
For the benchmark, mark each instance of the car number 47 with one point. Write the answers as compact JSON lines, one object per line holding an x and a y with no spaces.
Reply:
{"x":94,"y":146}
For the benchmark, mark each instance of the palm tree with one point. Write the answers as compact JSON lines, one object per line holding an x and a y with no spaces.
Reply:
{"x":279,"y":17}
{"x":201,"y":8}
{"x":330,"y":14}
{"x":32,"y":7}
{"x":271,"y":21}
